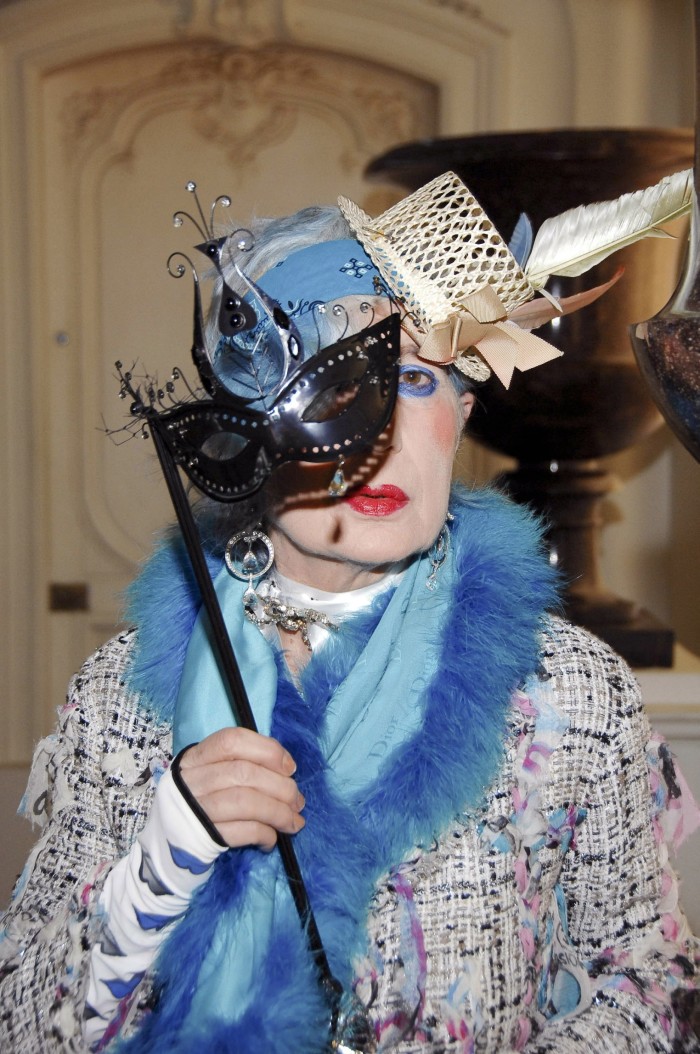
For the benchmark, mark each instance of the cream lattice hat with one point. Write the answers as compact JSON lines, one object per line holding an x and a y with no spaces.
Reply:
{"x":441,"y":255}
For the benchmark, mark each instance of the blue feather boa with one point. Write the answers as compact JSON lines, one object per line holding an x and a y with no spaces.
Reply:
{"x":490,"y":645}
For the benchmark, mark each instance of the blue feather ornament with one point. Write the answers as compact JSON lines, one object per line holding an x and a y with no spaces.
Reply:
{"x":520,"y":243}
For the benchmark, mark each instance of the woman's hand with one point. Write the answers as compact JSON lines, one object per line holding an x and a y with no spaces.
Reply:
{"x":243,"y":782}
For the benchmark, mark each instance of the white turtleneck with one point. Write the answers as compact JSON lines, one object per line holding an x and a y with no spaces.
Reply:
{"x":335,"y":606}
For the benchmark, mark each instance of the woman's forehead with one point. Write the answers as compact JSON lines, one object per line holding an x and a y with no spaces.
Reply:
{"x":355,"y":313}
{"x":363,"y":310}
{"x":359,"y":305}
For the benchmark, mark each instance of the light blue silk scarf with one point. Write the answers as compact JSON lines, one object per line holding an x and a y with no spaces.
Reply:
{"x":377,"y":708}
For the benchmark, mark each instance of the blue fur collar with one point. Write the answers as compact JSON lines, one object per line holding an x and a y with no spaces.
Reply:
{"x":489,"y":647}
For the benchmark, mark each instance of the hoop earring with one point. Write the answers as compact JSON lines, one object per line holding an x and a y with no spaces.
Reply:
{"x":438,"y":553}
{"x":338,"y":485}
{"x":249,"y":555}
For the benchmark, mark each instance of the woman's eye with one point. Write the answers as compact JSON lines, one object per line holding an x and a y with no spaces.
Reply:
{"x":416,"y":380}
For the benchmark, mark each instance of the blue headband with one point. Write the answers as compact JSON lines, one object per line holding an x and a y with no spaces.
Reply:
{"x":318,"y":274}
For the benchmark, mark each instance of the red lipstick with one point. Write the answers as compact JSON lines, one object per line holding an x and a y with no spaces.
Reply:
{"x":378,"y":501}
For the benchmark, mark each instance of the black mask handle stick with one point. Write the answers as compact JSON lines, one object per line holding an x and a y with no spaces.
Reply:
{"x":239,"y":697}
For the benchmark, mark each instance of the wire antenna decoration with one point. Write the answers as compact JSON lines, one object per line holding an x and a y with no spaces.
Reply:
{"x":317,"y":409}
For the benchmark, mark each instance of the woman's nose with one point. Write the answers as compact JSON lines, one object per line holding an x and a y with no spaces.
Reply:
{"x":391,"y":437}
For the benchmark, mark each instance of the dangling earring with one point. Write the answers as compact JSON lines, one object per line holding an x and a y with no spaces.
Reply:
{"x":249,"y":555}
{"x":438,"y":552}
{"x":338,"y":485}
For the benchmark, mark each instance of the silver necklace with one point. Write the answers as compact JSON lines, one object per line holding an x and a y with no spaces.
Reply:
{"x":269,"y":610}
{"x":249,"y":555}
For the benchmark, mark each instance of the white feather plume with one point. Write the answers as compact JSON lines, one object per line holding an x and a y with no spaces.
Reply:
{"x":575,"y":241}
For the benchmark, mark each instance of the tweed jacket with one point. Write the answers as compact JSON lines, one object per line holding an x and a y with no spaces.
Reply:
{"x":547,"y":920}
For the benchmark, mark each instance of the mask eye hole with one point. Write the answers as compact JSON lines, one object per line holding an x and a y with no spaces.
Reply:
{"x":223,"y":446}
{"x":281,"y":317}
{"x":331,"y":402}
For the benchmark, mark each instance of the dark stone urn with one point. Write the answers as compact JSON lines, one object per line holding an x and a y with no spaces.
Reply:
{"x":560,"y":419}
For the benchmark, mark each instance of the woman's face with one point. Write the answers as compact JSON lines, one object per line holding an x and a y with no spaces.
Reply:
{"x":398,"y":492}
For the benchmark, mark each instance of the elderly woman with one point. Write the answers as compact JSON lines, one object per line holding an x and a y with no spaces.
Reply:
{"x":479,"y":811}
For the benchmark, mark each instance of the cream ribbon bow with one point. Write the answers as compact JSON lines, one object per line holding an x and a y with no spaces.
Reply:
{"x":481,"y":322}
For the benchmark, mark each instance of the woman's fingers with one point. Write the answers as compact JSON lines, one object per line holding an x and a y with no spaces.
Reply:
{"x":230,"y":744}
{"x":222,"y":776}
{"x":231,"y":808}
{"x":243,"y":782}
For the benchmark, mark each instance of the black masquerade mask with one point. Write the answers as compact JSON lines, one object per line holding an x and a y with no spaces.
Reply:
{"x":267,"y":395}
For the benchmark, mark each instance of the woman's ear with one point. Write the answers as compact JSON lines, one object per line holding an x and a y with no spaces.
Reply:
{"x":466,"y":402}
